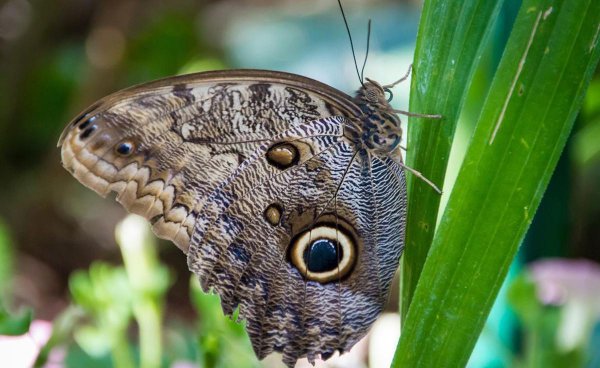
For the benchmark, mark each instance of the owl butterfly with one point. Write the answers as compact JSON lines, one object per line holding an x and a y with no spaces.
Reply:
{"x":287,"y":195}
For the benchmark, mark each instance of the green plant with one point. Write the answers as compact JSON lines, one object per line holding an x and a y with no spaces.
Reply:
{"x":221,"y":341}
{"x":523,"y":126}
{"x":10,"y":323}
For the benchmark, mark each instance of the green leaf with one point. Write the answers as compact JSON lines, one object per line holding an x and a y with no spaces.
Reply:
{"x":449,"y":43}
{"x":15,"y":325}
{"x":535,"y":96}
{"x":6,"y":262}
{"x":222,"y":342}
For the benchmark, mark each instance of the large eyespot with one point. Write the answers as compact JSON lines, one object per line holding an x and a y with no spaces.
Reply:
{"x":324,"y":253}
{"x":283,"y":155}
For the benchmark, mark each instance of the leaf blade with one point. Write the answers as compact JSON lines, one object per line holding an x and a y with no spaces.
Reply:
{"x":502,"y":180}
{"x":451,"y":35}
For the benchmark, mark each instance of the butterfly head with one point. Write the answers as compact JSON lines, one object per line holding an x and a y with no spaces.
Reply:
{"x":381,"y":130}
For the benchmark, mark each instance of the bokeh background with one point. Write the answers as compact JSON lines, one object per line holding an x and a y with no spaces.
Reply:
{"x":62,"y":267}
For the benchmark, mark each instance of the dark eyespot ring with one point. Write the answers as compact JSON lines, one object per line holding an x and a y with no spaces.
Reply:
{"x":124,"y":148}
{"x":390,"y":94}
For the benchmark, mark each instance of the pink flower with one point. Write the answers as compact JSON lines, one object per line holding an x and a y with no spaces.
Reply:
{"x":21,"y":351}
{"x":574,"y":285}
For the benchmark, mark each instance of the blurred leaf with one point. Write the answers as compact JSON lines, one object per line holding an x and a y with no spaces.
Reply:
{"x":202,"y":65}
{"x":529,"y":112}
{"x":147,"y":276}
{"x":540,"y":328}
{"x":222,"y":341}
{"x":591,"y":106}
{"x":104,"y":292}
{"x":93,"y":340}
{"x":449,"y":45}
{"x":105,"y":295}
{"x":149,"y":280}
{"x":12,"y":324}
{"x":162,"y":48}
{"x":47,"y":90}
{"x":15,"y":325}
{"x":77,"y":358}
{"x":6,"y":263}
{"x":586,"y":147}
{"x":523,"y":299}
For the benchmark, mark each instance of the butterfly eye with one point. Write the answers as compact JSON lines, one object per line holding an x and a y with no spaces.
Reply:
{"x":389,"y":93}
{"x":323,"y":253}
{"x":124,"y":148}
{"x":372,"y":95}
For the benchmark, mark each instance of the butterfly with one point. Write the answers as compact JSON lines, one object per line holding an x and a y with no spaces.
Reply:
{"x":287,"y":195}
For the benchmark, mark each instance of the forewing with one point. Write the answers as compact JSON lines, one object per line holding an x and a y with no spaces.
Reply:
{"x":164,"y":146}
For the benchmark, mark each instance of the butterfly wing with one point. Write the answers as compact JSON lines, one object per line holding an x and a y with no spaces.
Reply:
{"x":245,"y":256}
{"x":238,"y":168}
{"x":165,"y":145}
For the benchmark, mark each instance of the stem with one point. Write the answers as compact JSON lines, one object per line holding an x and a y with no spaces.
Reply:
{"x":120,"y":352}
{"x":148,"y":315}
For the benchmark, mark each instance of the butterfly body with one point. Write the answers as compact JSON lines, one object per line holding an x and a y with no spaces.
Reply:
{"x":287,"y":195}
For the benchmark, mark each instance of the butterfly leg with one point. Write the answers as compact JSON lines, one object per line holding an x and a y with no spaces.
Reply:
{"x":398,"y":160}
{"x":420,"y":176}
{"x":428,"y":116}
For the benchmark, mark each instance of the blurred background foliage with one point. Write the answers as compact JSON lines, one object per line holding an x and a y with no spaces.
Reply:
{"x":124,"y":302}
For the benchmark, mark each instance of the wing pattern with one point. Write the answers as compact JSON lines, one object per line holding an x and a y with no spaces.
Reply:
{"x":239,"y":169}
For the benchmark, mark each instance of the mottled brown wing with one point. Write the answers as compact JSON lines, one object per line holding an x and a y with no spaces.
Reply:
{"x":244,"y":170}
{"x":255,"y":220}
{"x":164,"y":146}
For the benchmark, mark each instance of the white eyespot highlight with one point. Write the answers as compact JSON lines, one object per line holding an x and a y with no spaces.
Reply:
{"x":324,"y":253}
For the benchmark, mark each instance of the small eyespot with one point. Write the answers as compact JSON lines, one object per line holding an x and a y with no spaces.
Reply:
{"x":84,"y":115}
{"x":283,"y":155}
{"x":273,"y":214}
{"x":86,"y":133}
{"x":124,"y":148}
{"x":87,"y":122}
{"x":324,"y":253}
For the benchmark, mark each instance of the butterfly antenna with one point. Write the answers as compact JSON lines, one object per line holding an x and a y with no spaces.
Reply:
{"x":351,"y":43}
{"x":362,"y":71}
